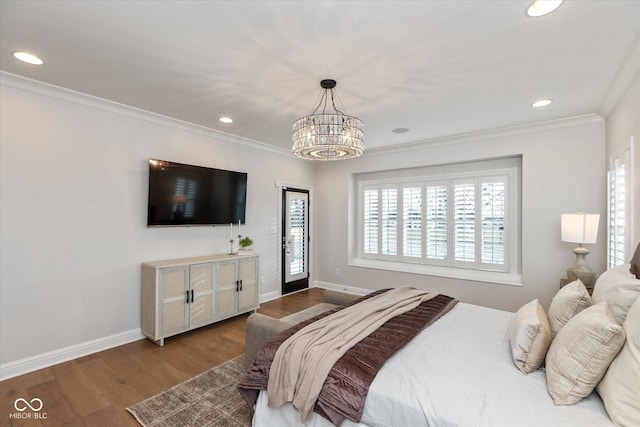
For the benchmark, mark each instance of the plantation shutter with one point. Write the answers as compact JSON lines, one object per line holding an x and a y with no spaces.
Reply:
{"x":619,"y":206}
{"x":492,"y":222}
{"x":298,"y":223}
{"x":464,"y":222}
{"x":389,"y":216}
{"x":370,"y":221}
{"x":412,"y":221}
{"x":461,"y":222}
{"x":437,"y":222}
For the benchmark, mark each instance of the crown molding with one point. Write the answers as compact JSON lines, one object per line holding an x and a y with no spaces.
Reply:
{"x":489,"y":135}
{"x":626,"y":73}
{"x":68,"y":95}
{"x":57,"y":92}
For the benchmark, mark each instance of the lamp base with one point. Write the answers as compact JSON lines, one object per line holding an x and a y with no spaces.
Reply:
{"x":581,"y":270}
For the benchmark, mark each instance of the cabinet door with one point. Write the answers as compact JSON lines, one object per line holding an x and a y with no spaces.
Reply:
{"x":201,"y":294}
{"x":226,"y":294}
{"x":248,"y":274}
{"x":174,"y":314}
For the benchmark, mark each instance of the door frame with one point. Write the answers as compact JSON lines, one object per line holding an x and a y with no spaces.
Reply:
{"x":281,"y":187}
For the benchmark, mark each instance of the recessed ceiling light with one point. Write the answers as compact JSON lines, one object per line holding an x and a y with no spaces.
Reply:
{"x":543,"y":7}
{"x":226,"y":119}
{"x":27,"y":57}
{"x":541,"y":103}
{"x":400,"y":130}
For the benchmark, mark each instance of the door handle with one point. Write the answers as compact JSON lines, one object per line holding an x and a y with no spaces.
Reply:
{"x":187,"y":292}
{"x":191,"y":295}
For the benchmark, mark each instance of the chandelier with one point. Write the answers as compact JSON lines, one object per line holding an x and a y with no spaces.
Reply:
{"x":329,"y":135}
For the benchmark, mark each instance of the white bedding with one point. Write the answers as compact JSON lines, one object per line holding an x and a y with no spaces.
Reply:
{"x":457,"y":372}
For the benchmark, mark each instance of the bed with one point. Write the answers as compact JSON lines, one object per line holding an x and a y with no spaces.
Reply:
{"x":461,"y":371}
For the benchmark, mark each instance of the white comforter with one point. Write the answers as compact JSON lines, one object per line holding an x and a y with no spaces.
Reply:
{"x":457,"y":372}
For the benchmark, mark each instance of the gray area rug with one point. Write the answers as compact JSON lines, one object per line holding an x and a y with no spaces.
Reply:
{"x":209,"y":399}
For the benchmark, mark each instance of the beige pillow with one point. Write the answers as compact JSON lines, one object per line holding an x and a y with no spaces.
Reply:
{"x":581,"y":353}
{"x":619,"y":288}
{"x":530,"y":336}
{"x":620,"y":386}
{"x":570,"y":300}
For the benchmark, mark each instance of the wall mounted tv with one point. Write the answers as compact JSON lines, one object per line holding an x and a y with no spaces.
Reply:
{"x":183,"y":195}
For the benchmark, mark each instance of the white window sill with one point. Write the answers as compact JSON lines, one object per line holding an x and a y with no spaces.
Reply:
{"x":430,"y":270}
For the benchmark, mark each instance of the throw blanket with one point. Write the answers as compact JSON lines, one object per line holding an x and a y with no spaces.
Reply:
{"x":345,"y":388}
{"x":303,"y":361}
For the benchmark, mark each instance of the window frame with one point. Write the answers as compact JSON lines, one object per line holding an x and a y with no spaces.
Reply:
{"x":476,"y":270}
{"x":622,"y":156}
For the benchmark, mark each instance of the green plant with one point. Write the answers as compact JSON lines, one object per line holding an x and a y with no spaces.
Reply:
{"x":246,"y":242}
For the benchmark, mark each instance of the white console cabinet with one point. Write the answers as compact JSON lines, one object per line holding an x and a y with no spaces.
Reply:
{"x":182,"y":294}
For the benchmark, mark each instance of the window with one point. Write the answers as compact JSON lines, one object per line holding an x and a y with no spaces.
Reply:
{"x":620,"y":203}
{"x":297,"y":228}
{"x":436,"y":222}
{"x":464,"y":221}
{"x":412,"y":221}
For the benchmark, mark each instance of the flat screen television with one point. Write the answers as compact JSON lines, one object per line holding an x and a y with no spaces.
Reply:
{"x":183,"y":195}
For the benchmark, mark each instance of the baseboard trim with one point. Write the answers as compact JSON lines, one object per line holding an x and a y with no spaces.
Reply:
{"x":44,"y":360}
{"x":318,"y":284}
{"x":343,"y":288}
{"x":270,"y":296}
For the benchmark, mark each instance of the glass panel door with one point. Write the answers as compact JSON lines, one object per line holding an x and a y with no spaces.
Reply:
{"x":295,"y":240}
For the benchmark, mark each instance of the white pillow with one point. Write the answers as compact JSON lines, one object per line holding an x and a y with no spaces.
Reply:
{"x":570,"y":300}
{"x":620,"y":386}
{"x":619,"y":288}
{"x":581,"y":353}
{"x":530,"y":336}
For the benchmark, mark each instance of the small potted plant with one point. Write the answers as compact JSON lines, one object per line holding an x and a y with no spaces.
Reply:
{"x":246,"y":244}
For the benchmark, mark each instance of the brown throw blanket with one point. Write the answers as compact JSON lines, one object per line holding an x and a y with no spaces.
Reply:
{"x":345,"y":388}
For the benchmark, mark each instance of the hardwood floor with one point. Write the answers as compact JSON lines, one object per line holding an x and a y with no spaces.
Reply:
{"x":95,"y":390}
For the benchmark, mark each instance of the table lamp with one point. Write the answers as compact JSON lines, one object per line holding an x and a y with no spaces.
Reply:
{"x":582,"y":229}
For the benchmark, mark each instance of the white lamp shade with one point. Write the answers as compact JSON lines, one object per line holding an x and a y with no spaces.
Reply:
{"x":579,"y":227}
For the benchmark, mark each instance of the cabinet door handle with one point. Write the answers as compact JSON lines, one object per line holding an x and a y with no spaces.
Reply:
{"x":191,"y":295}
{"x":187,"y":292}
{"x":237,"y":285}
{"x":240,"y":284}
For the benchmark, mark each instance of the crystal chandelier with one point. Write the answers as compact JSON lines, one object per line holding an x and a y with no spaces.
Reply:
{"x":328,"y":135}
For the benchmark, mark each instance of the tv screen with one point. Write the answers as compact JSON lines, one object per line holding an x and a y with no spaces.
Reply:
{"x":182,"y":194}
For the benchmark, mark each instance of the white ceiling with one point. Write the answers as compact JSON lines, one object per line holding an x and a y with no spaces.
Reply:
{"x":439,"y":68}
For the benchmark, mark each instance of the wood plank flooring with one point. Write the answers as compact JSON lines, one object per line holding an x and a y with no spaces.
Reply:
{"x":95,"y":390}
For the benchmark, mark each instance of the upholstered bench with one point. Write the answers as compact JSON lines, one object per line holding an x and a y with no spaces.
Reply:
{"x":261,"y":328}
